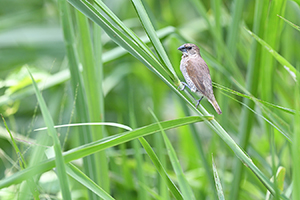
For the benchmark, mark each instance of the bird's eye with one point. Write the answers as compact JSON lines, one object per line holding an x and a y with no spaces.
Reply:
{"x":189,"y":48}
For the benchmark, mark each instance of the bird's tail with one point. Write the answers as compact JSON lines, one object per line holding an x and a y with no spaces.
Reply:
{"x":216,"y":106}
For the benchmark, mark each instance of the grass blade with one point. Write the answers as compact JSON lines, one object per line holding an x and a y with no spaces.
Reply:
{"x":161,"y":170}
{"x":153,"y":36}
{"x":89,"y":163}
{"x":217,"y":181}
{"x":93,"y":92}
{"x":183,"y":183}
{"x":97,"y":146}
{"x":86,"y":181}
{"x":280,"y":176}
{"x":199,"y":145}
{"x":59,"y":161}
{"x":290,"y":23}
{"x":30,"y":182}
{"x":287,"y":66}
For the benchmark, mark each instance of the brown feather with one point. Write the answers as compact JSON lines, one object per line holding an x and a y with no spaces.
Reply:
{"x":199,"y":74}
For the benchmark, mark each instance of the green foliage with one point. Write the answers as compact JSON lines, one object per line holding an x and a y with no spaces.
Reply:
{"x":109,"y":61}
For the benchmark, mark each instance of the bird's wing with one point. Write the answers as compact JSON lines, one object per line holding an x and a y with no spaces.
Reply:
{"x":199,"y":74}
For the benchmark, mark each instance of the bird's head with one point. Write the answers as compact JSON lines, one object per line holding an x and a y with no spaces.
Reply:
{"x":189,"y":49}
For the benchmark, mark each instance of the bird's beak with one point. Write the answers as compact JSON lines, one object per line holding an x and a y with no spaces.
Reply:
{"x":182,"y":48}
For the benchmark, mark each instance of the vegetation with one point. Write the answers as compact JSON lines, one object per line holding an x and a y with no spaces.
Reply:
{"x":109,"y":71}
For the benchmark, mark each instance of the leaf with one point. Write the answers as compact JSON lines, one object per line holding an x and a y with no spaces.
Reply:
{"x":287,"y":66}
{"x":59,"y":161}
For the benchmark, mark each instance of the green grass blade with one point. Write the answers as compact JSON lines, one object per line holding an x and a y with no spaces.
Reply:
{"x":183,"y":183}
{"x":59,"y":161}
{"x":186,"y":189}
{"x":141,"y":173}
{"x":159,"y":147}
{"x":274,"y":121}
{"x":161,"y":170}
{"x":125,"y":170}
{"x":138,"y":155}
{"x":254,"y":99}
{"x":152,"y":192}
{"x":271,"y":118}
{"x":93,"y":91}
{"x":78,"y":175}
{"x":122,"y":26}
{"x":153,"y":36}
{"x":233,"y":29}
{"x":217,"y":9}
{"x":280,"y":177}
{"x":217,"y":181}
{"x":22,"y":162}
{"x":287,"y":66}
{"x":201,"y":151}
{"x":238,"y":6}
{"x":243,"y":157}
{"x":99,"y":62}
{"x":100,"y":145}
{"x":30,"y":182}
{"x":290,"y":23}
{"x":89,"y":163}
{"x":272,"y":29}
{"x":201,"y":9}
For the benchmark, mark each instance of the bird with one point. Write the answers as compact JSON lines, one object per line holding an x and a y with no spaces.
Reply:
{"x":196,"y":74}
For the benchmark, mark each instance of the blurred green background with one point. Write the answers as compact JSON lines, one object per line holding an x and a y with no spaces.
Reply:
{"x":31,"y":36}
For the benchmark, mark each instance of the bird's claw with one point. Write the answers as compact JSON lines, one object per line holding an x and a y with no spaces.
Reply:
{"x":198,"y":102}
{"x":184,"y":85}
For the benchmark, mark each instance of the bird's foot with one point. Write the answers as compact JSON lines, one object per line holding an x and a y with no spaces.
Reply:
{"x":184,"y":85}
{"x":198,"y":102}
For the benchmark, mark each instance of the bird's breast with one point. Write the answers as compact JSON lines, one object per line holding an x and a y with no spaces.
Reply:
{"x":183,"y":66}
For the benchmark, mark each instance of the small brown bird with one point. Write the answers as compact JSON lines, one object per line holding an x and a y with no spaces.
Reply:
{"x":196,"y":74}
